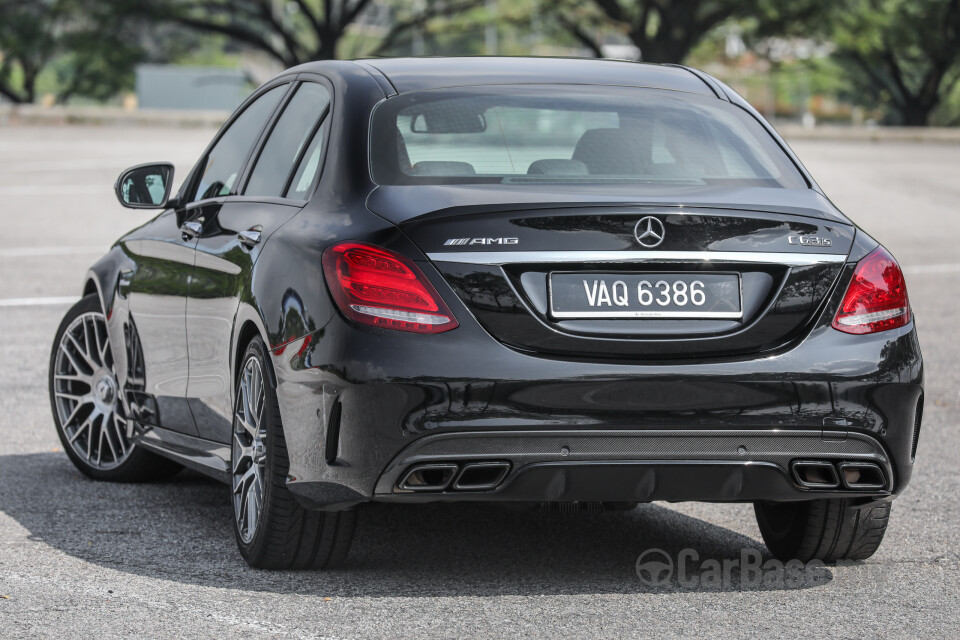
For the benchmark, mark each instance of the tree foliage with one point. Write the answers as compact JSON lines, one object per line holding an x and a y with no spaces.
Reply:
{"x":27,"y":42}
{"x":310,"y":32}
{"x":293,"y":31}
{"x":901,"y":54}
{"x":92,"y":51}
{"x":667,"y":30}
{"x":454,"y":26}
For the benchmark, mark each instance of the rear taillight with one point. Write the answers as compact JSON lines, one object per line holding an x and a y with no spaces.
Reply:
{"x":876,"y":299}
{"x":374,"y":286}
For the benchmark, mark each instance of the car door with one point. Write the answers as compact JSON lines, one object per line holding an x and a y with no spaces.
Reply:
{"x":276,"y":185}
{"x":156,"y":290}
{"x":165,"y":256}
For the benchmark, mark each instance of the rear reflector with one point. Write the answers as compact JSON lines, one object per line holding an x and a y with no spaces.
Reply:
{"x":378,"y":287}
{"x":876,"y":298}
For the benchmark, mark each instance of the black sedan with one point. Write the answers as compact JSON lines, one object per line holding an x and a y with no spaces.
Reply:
{"x":572,"y":284}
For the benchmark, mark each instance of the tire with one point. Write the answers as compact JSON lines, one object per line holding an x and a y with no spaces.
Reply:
{"x":88,"y":411}
{"x":827,"y":530}
{"x":273,"y":530}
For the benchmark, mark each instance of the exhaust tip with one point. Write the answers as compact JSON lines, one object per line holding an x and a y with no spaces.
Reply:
{"x":862,"y":475}
{"x":428,"y":477}
{"x":481,"y":476}
{"x":815,"y":474}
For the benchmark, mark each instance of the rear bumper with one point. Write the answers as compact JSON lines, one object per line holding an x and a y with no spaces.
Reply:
{"x":590,"y":431}
{"x":629,"y":466}
{"x":638,"y":465}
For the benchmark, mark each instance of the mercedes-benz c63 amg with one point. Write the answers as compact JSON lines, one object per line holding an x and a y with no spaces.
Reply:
{"x":546,"y":281}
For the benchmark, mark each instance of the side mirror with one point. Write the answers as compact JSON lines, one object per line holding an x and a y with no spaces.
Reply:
{"x":146,"y":186}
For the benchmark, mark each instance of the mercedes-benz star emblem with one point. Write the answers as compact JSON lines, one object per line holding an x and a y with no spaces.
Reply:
{"x":649,"y":232}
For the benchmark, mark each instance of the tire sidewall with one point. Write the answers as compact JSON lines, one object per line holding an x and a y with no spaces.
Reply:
{"x":783,"y":540}
{"x":256,"y":548}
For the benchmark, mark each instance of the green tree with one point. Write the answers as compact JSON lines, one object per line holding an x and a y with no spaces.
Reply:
{"x":899,"y":54}
{"x":453,"y":27}
{"x":91,"y":50}
{"x":667,"y":30}
{"x":27,"y":42}
{"x":289,"y":31}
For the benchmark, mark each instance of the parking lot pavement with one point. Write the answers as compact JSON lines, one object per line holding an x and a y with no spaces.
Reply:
{"x":85,"y":559}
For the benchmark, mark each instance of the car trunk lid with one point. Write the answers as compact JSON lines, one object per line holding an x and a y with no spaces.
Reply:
{"x":515,"y":266}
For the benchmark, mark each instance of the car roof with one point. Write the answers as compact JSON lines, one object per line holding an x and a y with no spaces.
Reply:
{"x":416,"y":74}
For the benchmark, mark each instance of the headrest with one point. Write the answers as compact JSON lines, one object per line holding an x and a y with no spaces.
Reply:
{"x":613,"y":152}
{"x":557,"y":167}
{"x":443,"y":168}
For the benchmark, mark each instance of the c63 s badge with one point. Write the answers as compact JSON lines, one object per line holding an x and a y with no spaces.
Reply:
{"x":810,"y":241}
{"x":467,"y":241}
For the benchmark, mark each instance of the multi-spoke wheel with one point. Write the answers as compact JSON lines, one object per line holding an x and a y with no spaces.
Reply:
{"x":249,"y":450}
{"x":86,"y":393}
{"x":273,"y":530}
{"x":87,"y":405}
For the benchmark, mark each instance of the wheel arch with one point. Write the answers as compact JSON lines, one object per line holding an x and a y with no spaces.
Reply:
{"x":105,"y":276}
{"x":248,"y":326}
{"x":91,"y":287}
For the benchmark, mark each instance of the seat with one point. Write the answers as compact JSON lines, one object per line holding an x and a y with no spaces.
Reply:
{"x":613,"y":152}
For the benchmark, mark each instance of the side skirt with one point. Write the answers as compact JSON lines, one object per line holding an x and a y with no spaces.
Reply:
{"x":208,"y":457}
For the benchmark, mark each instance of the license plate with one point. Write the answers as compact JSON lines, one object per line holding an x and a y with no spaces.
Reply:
{"x":645,"y":295}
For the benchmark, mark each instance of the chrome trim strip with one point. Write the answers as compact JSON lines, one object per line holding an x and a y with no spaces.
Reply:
{"x":514,"y":257}
{"x":729,"y":315}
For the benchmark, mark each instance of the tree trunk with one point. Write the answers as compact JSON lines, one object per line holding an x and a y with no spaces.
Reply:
{"x":667,"y":46}
{"x":662,"y":50}
{"x":30,"y":88}
{"x":327,"y":47}
{"x":915,"y":113}
{"x":10,"y":94}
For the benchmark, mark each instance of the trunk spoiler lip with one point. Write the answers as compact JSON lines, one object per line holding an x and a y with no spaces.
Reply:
{"x":793,"y":259}
{"x":404,"y":205}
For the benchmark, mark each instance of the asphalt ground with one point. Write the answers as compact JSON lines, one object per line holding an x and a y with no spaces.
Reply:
{"x":81,"y":559}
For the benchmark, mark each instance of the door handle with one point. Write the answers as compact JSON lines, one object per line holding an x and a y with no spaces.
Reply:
{"x":190,"y":230}
{"x":249,"y":238}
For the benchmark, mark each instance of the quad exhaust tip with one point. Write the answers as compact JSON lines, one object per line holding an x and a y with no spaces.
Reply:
{"x":862,"y":475}
{"x":429,"y":477}
{"x":815,"y":474}
{"x":821,"y":474}
{"x":441,"y":476}
{"x":481,"y":476}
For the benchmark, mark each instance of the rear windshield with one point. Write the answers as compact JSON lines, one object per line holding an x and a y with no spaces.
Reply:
{"x":570,"y":134}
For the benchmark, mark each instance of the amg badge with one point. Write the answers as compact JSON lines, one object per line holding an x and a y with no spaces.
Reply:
{"x":465,"y":241}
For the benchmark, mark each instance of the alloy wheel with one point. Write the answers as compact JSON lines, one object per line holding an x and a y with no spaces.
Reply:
{"x":249,"y":450}
{"x":87,"y":394}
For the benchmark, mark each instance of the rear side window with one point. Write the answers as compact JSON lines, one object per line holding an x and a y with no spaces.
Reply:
{"x":309,"y":167}
{"x":294,"y":132}
{"x":563,"y":134}
{"x":224,"y":162}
